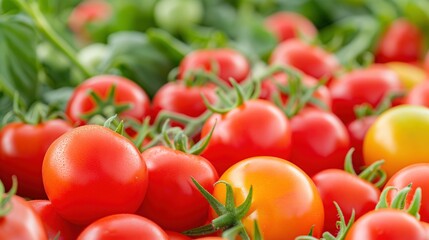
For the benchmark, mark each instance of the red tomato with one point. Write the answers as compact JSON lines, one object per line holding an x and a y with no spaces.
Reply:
{"x":173,"y":202}
{"x":312,"y":60}
{"x":269,"y":88}
{"x":357,"y":130}
{"x":361,"y":86}
{"x":176,"y":236}
{"x":319,"y":141}
{"x":426,"y":63}
{"x":288,"y":25}
{"x":21,"y":222}
{"x":256,"y":128}
{"x":426,"y":227}
{"x":384,"y":224}
{"x":359,"y":195}
{"x":419,"y":95}
{"x":285,"y":200}
{"x":124,"y":227}
{"x":91,"y":172}
{"x":417,"y":174}
{"x":22,"y":148}
{"x":53,"y":223}
{"x":228,"y":62}
{"x":402,"y":42}
{"x":127,"y":92}
{"x":178,"y":98}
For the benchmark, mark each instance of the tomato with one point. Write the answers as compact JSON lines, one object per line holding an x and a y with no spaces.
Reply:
{"x":419,"y":95}
{"x":417,"y":175}
{"x":178,"y":98}
{"x":402,"y":42}
{"x":224,"y":62}
{"x":359,"y":195}
{"x":126,"y":92}
{"x":124,"y":227}
{"x":288,"y":25}
{"x":165,"y":14}
{"x":361,"y":86}
{"x":426,"y":227}
{"x":282,"y":194}
{"x":22,"y":148}
{"x":312,"y":60}
{"x":53,"y":223}
{"x":409,"y":74}
{"x":269,"y":88}
{"x":398,"y":136}
{"x":384,"y":224}
{"x":176,"y":236}
{"x":173,"y":202}
{"x":426,"y":63}
{"x":21,"y":222}
{"x":91,"y":172}
{"x":256,"y":128}
{"x":319,"y":141}
{"x":357,"y":130}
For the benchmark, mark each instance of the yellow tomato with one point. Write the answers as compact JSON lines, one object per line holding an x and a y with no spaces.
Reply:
{"x":285,"y":200}
{"x":409,"y":74}
{"x":400,"y":136}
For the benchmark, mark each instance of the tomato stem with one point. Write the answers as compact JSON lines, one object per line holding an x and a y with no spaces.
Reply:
{"x":5,"y":204}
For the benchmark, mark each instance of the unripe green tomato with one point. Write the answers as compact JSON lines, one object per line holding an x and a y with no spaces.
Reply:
{"x":176,"y":15}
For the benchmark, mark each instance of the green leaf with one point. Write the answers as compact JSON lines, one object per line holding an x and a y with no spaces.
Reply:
{"x":19,"y":64}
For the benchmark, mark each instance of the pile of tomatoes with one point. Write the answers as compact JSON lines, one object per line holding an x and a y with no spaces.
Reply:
{"x":300,"y":147}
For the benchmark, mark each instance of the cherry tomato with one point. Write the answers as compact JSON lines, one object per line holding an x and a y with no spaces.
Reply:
{"x":256,"y":128}
{"x":319,"y":141}
{"x":361,"y":86}
{"x":126,"y":92}
{"x":173,"y":202}
{"x":288,"y":25}
{"x":402,"y":42}
{"x":359,"y":195}
{"x":417,"y":175}
{"x":91,"y":172}
{"x":21,"y":222}
{"x":22,"y":148}
{"x":409,"y":74}
{"x":178,"y":98}
{"x":53,"y":223}
{"x":225,"y":63}
{"x":384,"y":224}
{"x":282,"y":194}
{"x":357,"y":130}
{"x":312,"y":60}
{"x":269,"y":88}
{"x":398,"y":136}
{"x":165,"y":14}
{"x":419,"y":95}
{"x":124,"y":227}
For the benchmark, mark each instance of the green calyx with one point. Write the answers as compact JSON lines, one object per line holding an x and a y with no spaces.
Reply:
{"x":5,"y":198}
{"x":373,"y":173}
{"x":399,"y":201}
{"x":229,"y":220}
{"x":341,"y":225}
{"x":365,"y":110}
{"x":104,"y":108}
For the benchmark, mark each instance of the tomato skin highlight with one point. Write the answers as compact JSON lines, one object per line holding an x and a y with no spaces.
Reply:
{"x":402,"y":42}
{"x":359,"y":195}
{"x":256,"y":128}
{"x":22,"y":148}
{"x":53,"y":222}
{"x":288,"y":25}
{"x":399,"y":137}
{"x":173,"y":202}
{"x":229,"y":63}
{"x":386,"y":224}
{"x":127,"y":92}
{"x":91,"y":172}
{"x":282,"y":194}
{"x":124,"y":227}
{"x":417,"y":175}
{"x":319,"y":141}
{"x":22,"y":222}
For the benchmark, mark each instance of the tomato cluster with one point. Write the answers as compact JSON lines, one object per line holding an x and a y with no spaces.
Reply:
{"x":228,"y":151}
